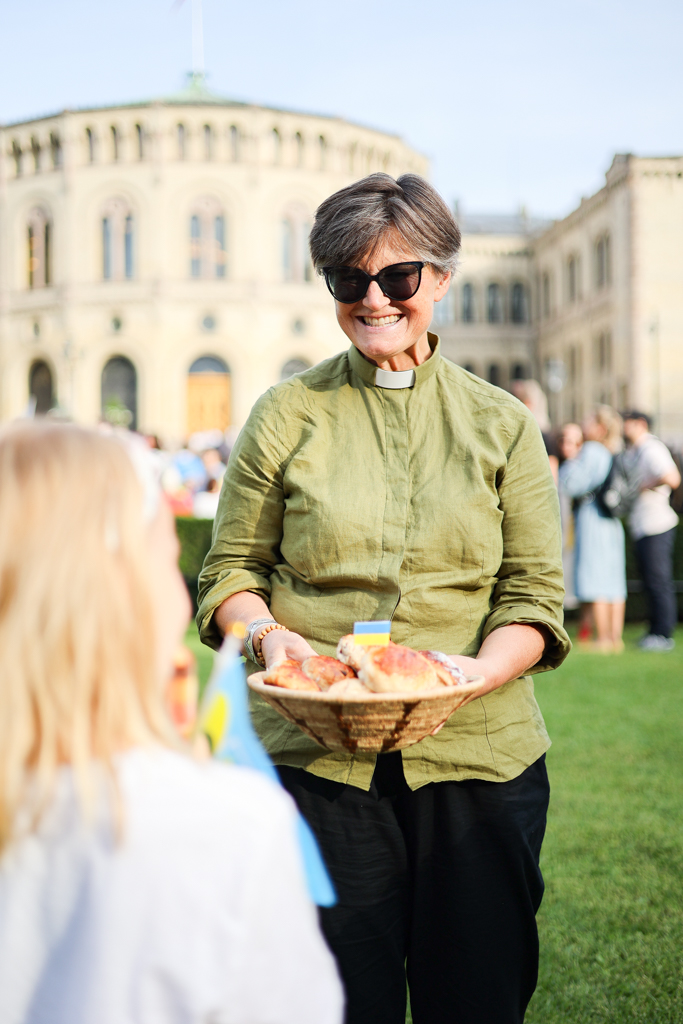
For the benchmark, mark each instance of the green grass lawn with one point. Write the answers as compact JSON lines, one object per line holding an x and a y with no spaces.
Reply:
{"x":611,"y":922}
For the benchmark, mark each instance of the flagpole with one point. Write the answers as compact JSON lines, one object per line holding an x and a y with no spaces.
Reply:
{"x":197,"y":40}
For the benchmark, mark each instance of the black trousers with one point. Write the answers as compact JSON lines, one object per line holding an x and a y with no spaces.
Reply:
{"x":443,"y":883}
{"x":655,"y":562}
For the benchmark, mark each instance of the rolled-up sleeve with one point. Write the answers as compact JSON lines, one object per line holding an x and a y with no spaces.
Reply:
{"x":247,"y":529}
{"x":530,"y":586}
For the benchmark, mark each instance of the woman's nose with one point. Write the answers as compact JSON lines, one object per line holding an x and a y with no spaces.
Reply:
{"x":374,"y":297}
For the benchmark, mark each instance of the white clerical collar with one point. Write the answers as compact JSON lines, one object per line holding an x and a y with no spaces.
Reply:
{"x":394,"y":379}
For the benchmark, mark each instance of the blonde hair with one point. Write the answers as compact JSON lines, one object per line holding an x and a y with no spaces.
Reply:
{"x":78,"y":677}
{"x":612,"y":424}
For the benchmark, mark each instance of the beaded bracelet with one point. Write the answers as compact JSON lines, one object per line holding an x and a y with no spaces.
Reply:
{"x":258,"y":640}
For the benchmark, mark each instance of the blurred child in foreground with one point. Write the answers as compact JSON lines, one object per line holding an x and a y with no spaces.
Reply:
{"x":136,"y":884}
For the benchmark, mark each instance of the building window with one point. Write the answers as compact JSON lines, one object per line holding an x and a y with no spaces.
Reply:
{"x":519,"y":307}
{"x":114,"y":143}
{"x":180,"y":136}
{"x":17,"y":157}
{"x":494,"y":374}
{"x":118,"y":241}
{"x":603,"y":352}
{"x":469,"y":367}
{"x":140,"y":141}
{"x":572,"y":279}
{"x":322,"y":152}
{"x":545,"y":295}
{"x":208,"y":142}
{"x":468,"y":303}
{"x":293,"y":366}
{"x":208,"y":395}
{"x":55,"y":151}
{"x":234,"y":144}
{"x":39,"y":231}
{"x":353,"y":152}
{"x":276,"y":142}
{"x":35,"y":150}
{"x":296,"y":259}
{"x":494,"y":304}
{"x":40,"y":387}
{"x":519,"y":371}
{"x":603,"y":269}
{"x":299,"y":148}
{"x":208,"y":240}
{"x":443,"y":311}
{"x":119,"y":393}
{"x":90,"y":140}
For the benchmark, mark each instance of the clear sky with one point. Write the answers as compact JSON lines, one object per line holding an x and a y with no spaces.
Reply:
{"x":513,"y":102}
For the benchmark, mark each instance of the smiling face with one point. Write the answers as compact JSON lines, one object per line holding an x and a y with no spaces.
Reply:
{"x":392,"y":334}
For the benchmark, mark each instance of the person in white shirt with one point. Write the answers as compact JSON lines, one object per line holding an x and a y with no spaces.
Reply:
{"x":652,"y":524}
{"x":137,"y":884}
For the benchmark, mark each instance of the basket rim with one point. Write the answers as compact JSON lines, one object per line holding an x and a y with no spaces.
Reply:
{"x":255,"y":682}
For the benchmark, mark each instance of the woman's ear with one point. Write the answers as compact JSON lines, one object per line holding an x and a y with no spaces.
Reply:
{"x":442,"y":286}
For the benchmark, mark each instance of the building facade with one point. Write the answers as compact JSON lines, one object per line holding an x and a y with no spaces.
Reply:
{"x":154,"y":265}
{"x":609,"y":285}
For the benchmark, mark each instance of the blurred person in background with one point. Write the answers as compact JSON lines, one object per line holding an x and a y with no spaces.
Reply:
{"x":652,"y":523}
{"x":531,"y":394}
{"x":600,"y":559}
{"x":569,"y":444}
{"x":136,"y":883}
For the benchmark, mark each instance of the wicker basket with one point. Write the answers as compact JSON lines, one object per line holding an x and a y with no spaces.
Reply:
{"x":377,"y":722}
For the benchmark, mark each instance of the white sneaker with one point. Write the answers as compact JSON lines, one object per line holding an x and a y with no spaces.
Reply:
{"x":656,"y":643}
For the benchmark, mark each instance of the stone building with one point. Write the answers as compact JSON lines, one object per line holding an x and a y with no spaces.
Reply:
{"x":609,"y":284}
{"x":153,"y":257}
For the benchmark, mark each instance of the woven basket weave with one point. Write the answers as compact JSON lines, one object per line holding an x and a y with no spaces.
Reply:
{"x":378,"y":722}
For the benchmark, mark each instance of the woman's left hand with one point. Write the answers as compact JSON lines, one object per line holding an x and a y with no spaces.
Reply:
{"x":506,"y":653}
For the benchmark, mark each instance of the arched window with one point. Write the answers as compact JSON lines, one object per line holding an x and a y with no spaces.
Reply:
{"x":293,"y":366}
{"x":35,"y":150}
{"x":55,"y":151}
{"x":120,"y":392}
{"x":519,"y":307}
{"x":603,"y":268}
{"x":114,"y":143}
{"x":118,"y":241}
{"x":208,"y":239}
{"x":296,"y":259}
{"x":494,"y":304}
{"x":90,"y":140}
{"x":17,"y":157}
{"x":276,"y":143}
{"x":234,"y":143}
{"x":39,"y":249}
{"x":140,"y":141}
{"x":494,"y":374}
{"x":208,"y":142}
{"x":40,"y":387}
{"x":208,"y":395}
{"x":468,"y":303}
{"x":322,"y":151}
{"x":180,"y":135}
{"x":299,"y":148}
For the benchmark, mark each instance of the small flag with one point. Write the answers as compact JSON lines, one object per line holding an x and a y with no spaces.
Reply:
{"x":375,"y":634}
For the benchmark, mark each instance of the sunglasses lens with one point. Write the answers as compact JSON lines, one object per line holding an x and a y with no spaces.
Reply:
{"x":347,"y":284}
{"x":400,"y":282}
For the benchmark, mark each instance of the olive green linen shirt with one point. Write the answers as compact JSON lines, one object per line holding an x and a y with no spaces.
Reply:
{"x":432,"y":506}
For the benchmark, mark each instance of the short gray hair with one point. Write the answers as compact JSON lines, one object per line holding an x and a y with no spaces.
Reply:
{"x":352,"y":223}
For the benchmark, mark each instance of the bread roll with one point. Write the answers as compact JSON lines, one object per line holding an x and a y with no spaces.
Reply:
{"x":348,"y":688}
{"x":396,"y":669}
{"x":447,"y":671}
{"x":326,"y":671}
{"x":289,"y":675}
{"x":352,"y":653}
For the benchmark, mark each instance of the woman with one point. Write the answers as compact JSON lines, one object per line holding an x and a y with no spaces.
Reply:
{"x":136,"y":884}
{"x":388,"y":483}
{"x":599,"y":558}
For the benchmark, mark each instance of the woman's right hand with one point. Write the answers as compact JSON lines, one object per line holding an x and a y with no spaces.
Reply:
{"x":280,"y":644}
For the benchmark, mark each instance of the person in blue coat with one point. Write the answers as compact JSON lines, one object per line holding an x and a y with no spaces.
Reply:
{"x":600,"y":561}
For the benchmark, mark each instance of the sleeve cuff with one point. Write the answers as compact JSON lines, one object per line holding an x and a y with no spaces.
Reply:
{"x":557,"y":646}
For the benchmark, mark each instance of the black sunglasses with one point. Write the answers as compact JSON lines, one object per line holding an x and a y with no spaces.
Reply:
{"x":400,"y":281}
